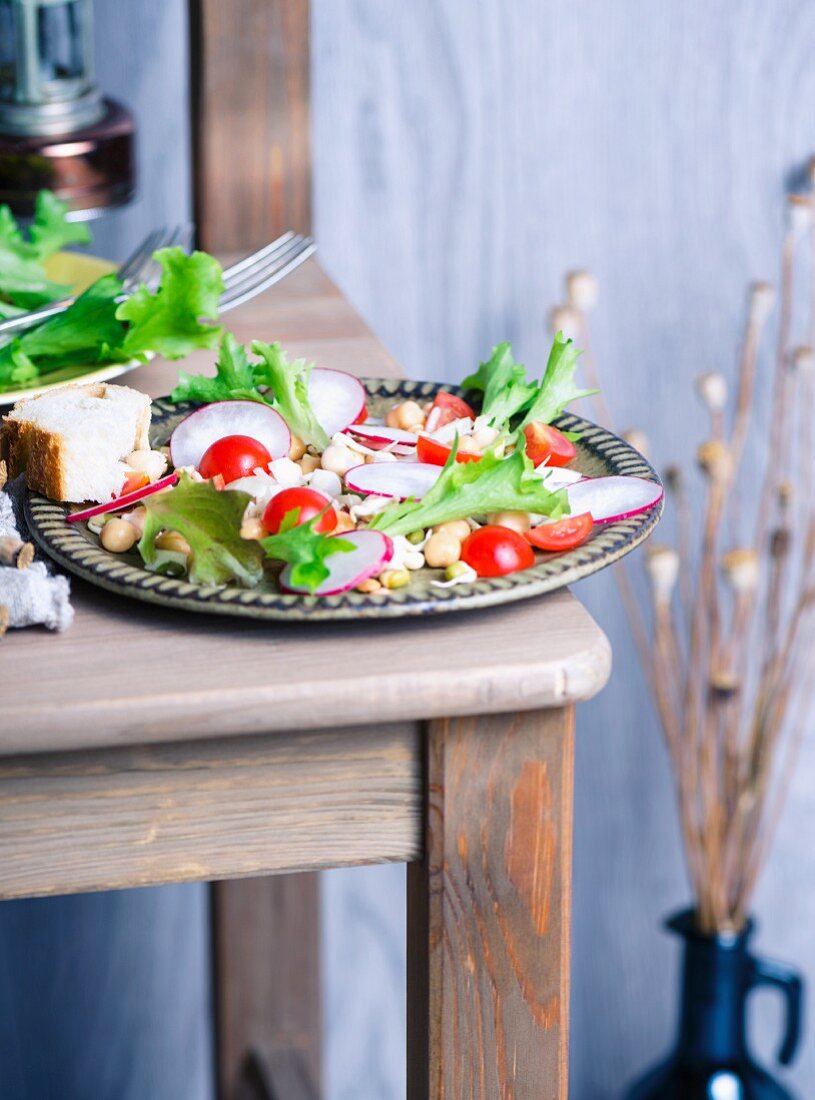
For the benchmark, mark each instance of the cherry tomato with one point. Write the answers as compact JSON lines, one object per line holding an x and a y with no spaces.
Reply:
{"x":309,"y":502}
{"x":133,"y":481}
{"x":363,"y":416}
{"x":546,"y":444}
{"x":564,"y":534}
{"x":495,"y":551}
{"x":430,"y":450}
{"x":450,"y":408}
{"x":233,"y":456}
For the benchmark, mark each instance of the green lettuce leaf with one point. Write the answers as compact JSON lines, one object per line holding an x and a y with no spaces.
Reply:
{"x":288,"y":389}
{"x":168,"y":321}
{"x":234,"y":378}
{"x":51,"y":230}
{"x":87,"y":332}
{"x":504,"y":385}
{"x":305,"y":549}
{"x":210,"y":521}
{"x":474,"y":489}
{"x":557,"y":388}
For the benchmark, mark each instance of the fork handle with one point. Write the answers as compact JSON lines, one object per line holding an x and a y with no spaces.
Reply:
{"x":35,"y":316}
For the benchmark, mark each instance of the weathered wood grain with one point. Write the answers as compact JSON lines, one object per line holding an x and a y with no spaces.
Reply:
{"x":489,"y":911}
{"x":182,"y":812}
{"x":251,"y":133}
{"x":266,"y":933}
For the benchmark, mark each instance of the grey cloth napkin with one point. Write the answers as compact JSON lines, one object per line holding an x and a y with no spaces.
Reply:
{"x":35,"y":595}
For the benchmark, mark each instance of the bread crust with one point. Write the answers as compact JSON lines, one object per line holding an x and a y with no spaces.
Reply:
{"x":39,"y":453}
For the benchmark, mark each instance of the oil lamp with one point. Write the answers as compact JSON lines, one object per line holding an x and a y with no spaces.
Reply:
{"x":57,"y":131}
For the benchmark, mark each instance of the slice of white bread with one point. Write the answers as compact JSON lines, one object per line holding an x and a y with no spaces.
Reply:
{"x":71,"y":441}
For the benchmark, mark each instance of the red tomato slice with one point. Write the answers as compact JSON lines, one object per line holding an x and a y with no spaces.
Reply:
{"x":133,"y":481}
{"x":546,"y":444}
{"x":494,"y":551}
{"x":450,"y":408}
{"x":430,"y":450}
{"x":309,"y":503}
{"x":564,"y":534}
{"x":233,"y":456}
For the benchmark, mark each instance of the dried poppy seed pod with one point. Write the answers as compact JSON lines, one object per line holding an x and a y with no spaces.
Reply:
{"x":799,"y":210}
{"x":784,"y":494}
{"x":713,"y":458}
{"x":712,"y":388}
{"x":780,"y":541}
{"x":565,"y":319}
{"x":724,"y":683}
{"x":662,"y":567}
{"x":803,"y":359}
{"x":581,"y":290}
{"x":674,"y":479}
{"x":741,"y":569}
{"x":638,"y":440}
{"x":762,"y":300}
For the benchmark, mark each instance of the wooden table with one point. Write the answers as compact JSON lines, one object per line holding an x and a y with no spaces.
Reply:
{"x":145,"y":747}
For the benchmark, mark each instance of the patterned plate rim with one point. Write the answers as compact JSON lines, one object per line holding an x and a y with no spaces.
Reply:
{"x":70,"y":547}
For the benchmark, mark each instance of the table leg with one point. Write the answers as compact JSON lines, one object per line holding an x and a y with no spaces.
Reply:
{"x":489,"y":911}
{"x":267,"y":987}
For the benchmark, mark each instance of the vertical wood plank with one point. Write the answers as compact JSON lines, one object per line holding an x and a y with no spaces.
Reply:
{"x":251,"y":134}
{"x":267,"y":999}
{"x":489,"y":911}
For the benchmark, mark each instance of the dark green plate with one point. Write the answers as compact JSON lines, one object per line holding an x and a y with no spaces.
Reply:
{"x":599,"y":453}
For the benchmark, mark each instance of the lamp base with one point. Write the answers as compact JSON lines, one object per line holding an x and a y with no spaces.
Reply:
{"x":92,"y":169}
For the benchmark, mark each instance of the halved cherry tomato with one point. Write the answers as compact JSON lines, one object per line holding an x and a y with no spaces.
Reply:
{"x":233,"y":456}
{"x":363,"y":416}
{"x":563,"y":534}
{"x":133,"y":481}
{"x":309,"y":502}
{"x":450,"y":408}
{"x":494,"y":551}
{"x":546,"y":444}
{"x":430,"y":450}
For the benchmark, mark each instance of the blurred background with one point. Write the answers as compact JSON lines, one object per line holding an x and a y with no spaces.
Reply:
{"x":465,"y":157}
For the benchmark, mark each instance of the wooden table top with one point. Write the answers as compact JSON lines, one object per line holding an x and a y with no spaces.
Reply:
{"x":127,"y":673}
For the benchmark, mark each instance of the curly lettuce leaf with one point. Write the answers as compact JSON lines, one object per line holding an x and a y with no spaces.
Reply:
{"x":234,"y":378}
{"x":557,"y":388}
{"x":210,"y":521}
{"x":504,"y":385}
{"x":168,"y":321}
{"x":474,"y":489}
{"x":51,"y":230}
{"x":288,"y":389}
{"x":86,"y":333}
{"x":305,"y":549}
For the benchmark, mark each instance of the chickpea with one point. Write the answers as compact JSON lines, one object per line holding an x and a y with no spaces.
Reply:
{"x":171,"y":540}
{"x":345,"y":522}
{"x":339,"y":459}
{"x":441,"y":550}
{"x":391,"y":420}
{"x":394,"y":578}
{"x":297,"y":449}
{"x":458,"y":528}
{"x":409,"y":416}
{"x":516,"y":521}
{"x":119,"y":536}
{"x":252,"y":529}
{"x":309,"y":463}
{"x":413,"y":559}
{"x":369,"y":586}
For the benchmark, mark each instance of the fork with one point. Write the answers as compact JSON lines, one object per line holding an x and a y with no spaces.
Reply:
{"x":139,"y":267}
{"x":242,"y":281}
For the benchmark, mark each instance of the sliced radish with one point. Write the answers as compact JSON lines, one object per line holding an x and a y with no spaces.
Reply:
{"x":376,"y":436}
{"x":372,"y":552}
{"x":202,"y":428}
{"x":337,"y":398}
{"x":393,"y":479}
{"x":613,"y":498}
{"x":558,"y":477}
{"x":122,"y":502}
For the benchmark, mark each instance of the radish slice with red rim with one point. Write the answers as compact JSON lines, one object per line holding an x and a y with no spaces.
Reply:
{"x":609,"y":499}
{"x":120,"y":503}
{"x":372,"y":552}
{"x":376,"y":436}
{"x":399,"y":480}
{"x":337,"y":398}
{"x":203,"y":427}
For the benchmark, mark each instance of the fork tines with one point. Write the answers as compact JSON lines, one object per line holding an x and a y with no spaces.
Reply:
{"x":264,"y":268}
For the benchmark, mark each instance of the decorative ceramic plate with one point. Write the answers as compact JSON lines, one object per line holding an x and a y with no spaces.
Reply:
{"x":76,"y":270}
{"x":598,"y":453}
